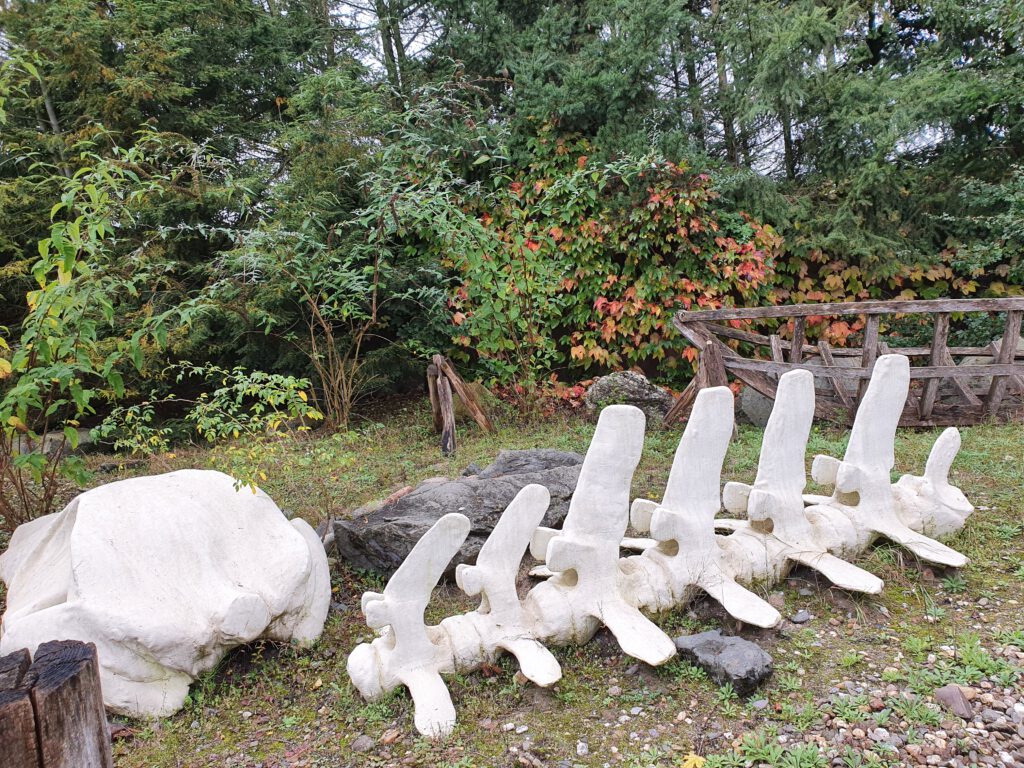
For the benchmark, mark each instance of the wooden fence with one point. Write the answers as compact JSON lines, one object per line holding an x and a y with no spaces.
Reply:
{"x":963,"y":400}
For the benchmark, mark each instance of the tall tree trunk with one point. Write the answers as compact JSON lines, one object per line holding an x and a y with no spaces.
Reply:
{"x":51,"y":115}
{"x":384,"y":27}
{"x":688,"y":43}
{"x":325,"y":15}
{"x":789,"y":152}
{"x":724,"y":91}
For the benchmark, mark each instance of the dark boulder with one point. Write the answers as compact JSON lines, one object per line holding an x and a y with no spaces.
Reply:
{"x":727,"y":659}
{"x":378,"y":537}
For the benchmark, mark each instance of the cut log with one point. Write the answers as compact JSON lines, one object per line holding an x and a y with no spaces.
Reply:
{"x":18,"y":745}
{"x":70,"y":720}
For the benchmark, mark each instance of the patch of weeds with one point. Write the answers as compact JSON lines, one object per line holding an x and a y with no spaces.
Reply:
{"x":954,"y":584}
{"x":850,"y":659}
{"x":642,"y":696}
{"x":1010,"y":637}
{"x":726,"y":693}
{"x":803,"y":756}
{"x":761,"y":747}
{"x":1008,"y":531}
{"x":646,"y":759}
{"x":681,"y":670}
{"x":849,"y":708}
{"x":935,"y":612}
{"x":789,"y":683}
{"x":915,"y":710}
{"x":725,"y":760}
{"x":376,"y":712}
{"x":917,"y":647}
{"x":801,"y":717}
{"x":970,"y":663}
{"x":893,"y":675}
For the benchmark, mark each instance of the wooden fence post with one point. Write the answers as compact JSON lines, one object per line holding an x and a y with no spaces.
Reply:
{"x":51,"y":713}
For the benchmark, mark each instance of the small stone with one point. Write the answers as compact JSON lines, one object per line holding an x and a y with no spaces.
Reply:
{"x":759,"y":704}
{"x":615,"y":691}
{"x":953,"y":699}
{"x":992,"y":715}
{"x":362,"y":744}
{"x":800,"y":617}
{"x":246,"y":715}
{"x":391,"y":735}
{"x":581,"y":748}
{"x":522,"y":729}
{"x":508,"y":727}
{"x":636,"y":711}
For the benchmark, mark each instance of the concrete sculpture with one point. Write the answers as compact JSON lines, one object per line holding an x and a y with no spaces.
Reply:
{"x":588,"y":584}
{"x":165,"y":574}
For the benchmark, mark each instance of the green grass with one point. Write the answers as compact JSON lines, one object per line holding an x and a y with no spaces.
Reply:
{"x":303,"y":708}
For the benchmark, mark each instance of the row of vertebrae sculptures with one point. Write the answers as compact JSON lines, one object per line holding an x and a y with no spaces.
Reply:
{"x":588,"y":584}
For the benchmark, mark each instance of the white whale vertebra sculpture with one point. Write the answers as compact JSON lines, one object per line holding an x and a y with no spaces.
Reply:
{"x":588,"y":584}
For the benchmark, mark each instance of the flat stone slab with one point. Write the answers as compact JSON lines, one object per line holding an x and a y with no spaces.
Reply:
{"x":727,"y":659}
{"x":378,"y":537}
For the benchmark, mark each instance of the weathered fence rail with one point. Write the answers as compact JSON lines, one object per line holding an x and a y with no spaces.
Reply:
{"x":944,"y":394}
{"x":51,"y":709}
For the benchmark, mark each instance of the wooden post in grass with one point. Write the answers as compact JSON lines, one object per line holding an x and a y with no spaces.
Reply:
{"x":51,"y":712}
{"x":442,"y":380}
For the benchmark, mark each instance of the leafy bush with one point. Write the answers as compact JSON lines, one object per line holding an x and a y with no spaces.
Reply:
{"x":579,"y":265}
{"x":70,"y":352}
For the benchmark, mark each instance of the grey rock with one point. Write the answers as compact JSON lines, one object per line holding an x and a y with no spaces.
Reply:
{"x":880,"y":734}
{"x":630,"y":388}
{"x":108,"y":467}
{"x":953,"y":699}
{"x":55,"y":444}
{"x":800,"y":617}
{"x":992,"y":715}
{"x":759,"y":703}
{"x":362,"y":744}
{"x":378,"y":536}
{"x":472,"y":470}
{"x":727,"y":659}
{"x":755,"y":406}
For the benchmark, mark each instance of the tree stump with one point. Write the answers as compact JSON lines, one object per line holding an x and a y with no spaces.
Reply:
{"x":51,"y":712}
